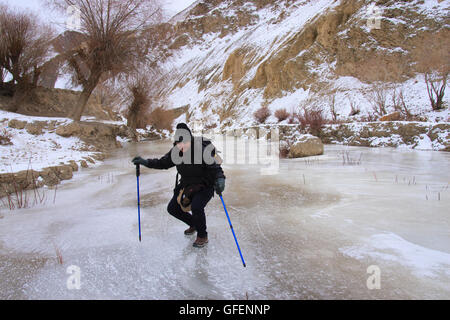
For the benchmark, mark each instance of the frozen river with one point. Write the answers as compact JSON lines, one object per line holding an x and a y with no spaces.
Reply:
{"x":375,"y":226}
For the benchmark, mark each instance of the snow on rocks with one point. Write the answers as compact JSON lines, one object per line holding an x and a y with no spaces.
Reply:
{"x":38,"y":154}
{"x":307,"y":145}
{"x":411,"y":135}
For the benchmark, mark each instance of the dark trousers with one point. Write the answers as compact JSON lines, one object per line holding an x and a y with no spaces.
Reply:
{"x":197,"y":219}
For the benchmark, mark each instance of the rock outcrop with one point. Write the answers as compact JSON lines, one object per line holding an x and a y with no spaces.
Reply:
{"x":17,"y":183}
{"x":395,"y":116}
{"x":99,"y":135}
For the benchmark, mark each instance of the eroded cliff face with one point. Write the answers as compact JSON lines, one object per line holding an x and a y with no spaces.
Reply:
{"x":234,"y":56}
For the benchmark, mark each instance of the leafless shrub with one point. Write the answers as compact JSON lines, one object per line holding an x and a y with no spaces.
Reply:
{"x":5,"y":137}
{"x":21,"y":198}
{"x":349,"y":160}
{"x":293,"y":117}
{"x":399,"y":103}
{"x":354,"y":109}
{"x":312,"y":119}
{"x":378,"y":98}
{"x":379,"y":72}
{"x":433,"y":60}
{"x":140,"y":102}
{"x":281,"y":114}
{"x":332,"y":105}
{"x":436,"y":85}
{"x":58,"y":253}
{"x":262,"y":114}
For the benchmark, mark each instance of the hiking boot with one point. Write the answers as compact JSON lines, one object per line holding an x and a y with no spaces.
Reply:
{"x":189,"y":231}
{"x":200,"y":242}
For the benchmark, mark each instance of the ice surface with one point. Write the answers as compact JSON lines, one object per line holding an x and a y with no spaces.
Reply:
{"x":309,"y":232}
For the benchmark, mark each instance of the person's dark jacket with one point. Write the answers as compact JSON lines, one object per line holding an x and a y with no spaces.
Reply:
{"x":191,"y":174}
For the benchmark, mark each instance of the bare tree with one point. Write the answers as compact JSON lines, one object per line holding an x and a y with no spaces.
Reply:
{"x":113,"y":32}
{"x":133,"y":91}
{"x":24,"y":48}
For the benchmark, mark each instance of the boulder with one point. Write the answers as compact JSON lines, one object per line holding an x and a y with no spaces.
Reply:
{"x":74,"y":165}
{"x":17,"y":124}
{"x":64,"y":172}
{"x":83,"y":164}
{"x":22,"y":180}
{"x":71,"y":129}
{"x":89,"y":159}
{"x":305,"y":146}
{"x":53,"y":175}
{"x":35,"y":128}
{"x":395,"y":116}
{"x":49,"y":177}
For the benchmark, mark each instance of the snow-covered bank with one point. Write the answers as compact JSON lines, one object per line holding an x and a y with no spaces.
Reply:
{"x":38,"y":151}
{"x":398,"y":134}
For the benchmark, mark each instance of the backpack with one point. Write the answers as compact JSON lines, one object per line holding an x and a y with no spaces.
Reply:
{"x":214,"y":153}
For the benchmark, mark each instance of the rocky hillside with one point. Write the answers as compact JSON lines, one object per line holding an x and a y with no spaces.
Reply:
{"x":47,"y":102}
{"x":226,"y":59}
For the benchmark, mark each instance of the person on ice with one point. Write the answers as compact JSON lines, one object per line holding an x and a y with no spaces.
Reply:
{"x":199,"y":168}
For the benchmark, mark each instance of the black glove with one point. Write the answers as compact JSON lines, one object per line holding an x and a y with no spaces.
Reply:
{"x":219,"y":186}
{"x":140,"y":161}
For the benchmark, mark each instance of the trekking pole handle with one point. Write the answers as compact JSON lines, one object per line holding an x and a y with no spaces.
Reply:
{"x":138,"y":170}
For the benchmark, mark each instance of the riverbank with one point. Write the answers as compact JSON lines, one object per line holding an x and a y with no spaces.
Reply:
{"x":43,"y":151}
{"x":430,"y":136}
{"x":38,"y":151}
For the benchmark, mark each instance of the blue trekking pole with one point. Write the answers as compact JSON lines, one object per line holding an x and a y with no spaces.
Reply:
{"x":232,"y":230}
{"x":138,"y":173}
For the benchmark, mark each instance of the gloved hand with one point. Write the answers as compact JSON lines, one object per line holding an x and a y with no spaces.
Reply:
{"x":140,"y":161}
{"x":219,"y":186}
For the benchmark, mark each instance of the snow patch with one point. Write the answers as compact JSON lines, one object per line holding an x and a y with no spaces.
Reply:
{"x":391,"y":247}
